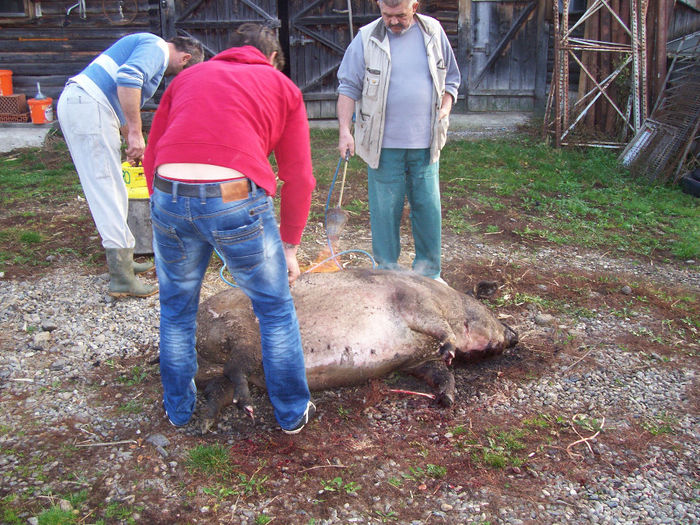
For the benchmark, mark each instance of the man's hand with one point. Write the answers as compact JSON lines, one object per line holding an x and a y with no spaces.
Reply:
{"x":290,"y":254}
{"x":135,"y":146}
{"x":346,"y":144}
{"x":344,"y":110}
{"x":445,"y":106}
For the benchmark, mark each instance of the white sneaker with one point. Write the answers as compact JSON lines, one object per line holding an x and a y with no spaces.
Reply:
{"x":308,"y":414}
{"x":441,"y":280}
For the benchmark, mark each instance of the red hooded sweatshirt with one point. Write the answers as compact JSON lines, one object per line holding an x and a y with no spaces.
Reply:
{"x":233,"y":111}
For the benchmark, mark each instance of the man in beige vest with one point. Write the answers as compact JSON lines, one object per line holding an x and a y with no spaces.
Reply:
{"x":400,"y":77}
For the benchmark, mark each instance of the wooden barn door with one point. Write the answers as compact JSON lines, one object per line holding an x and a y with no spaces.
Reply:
{"x":319,"y":33}
{"x":211,"y":21}
{"x":506,"y":54}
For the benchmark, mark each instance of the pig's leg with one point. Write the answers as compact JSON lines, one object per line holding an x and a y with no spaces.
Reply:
{"x":218,"y":393}
{"x":434,"y":327}
{"x":438,"y":376}
{"x":241,"y":393}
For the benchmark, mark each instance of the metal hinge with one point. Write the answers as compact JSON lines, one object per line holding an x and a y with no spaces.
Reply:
{"x":300,"y":40}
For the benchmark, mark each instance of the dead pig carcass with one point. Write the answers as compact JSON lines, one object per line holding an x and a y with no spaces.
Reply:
{"x":355,"y":325}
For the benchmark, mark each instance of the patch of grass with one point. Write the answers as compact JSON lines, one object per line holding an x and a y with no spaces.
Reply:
{"x":539,"y":421}
{"x":385,"y":517}
{"x":458,"y":430}
{"x":252,"y":484}
{"x":8,"y":514}
{"x":135,"y":376}
{"x":589,"y":424}
{"x":57,"y":516}
{"x":396,"y":482}
{"x":131,"y":407}
{"x":415,"y":474}
{"x":457,"y":219}
{"x":355,"y":206}
{"x":435,"y":471}
{"x":499,"y":449}
{"x":220,"y":491}
{"x":519,"y":299}
{"x":38,"y":173}
{"x":121,"y":513}
{"x":337,"y":485}
{"x":579,"y":197}
{"x":663,"y":424}
{"x":209,"y":460}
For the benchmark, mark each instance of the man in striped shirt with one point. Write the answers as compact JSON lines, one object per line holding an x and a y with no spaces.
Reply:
{"x":102,"y":100}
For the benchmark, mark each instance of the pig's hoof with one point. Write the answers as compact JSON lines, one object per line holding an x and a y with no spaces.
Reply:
{"x":207,"y":424}
{"x":445,"y":400}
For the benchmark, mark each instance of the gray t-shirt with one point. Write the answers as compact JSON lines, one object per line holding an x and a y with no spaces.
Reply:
{"x":408,"y":122}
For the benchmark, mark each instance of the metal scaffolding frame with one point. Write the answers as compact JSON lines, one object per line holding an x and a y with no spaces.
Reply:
{"x":568,"y":118}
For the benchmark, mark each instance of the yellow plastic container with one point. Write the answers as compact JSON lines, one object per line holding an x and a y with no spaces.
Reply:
{"x":135,"y":181}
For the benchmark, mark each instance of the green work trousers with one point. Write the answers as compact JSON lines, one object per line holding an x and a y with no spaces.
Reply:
{"x":401,"y":174}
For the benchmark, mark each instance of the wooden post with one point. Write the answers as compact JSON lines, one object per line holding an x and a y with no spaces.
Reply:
{"x":464,"y":38}
{"x":542,"y":45}
{"x":167,"y":19}
{"x":660,"y":67}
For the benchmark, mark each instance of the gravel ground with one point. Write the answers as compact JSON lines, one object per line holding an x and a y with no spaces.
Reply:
{"x":61,"y":329}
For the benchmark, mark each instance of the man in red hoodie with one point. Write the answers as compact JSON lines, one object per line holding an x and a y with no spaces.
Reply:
{"x":207,"y":167}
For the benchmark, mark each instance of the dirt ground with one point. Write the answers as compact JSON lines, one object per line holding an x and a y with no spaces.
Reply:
{"x":400,"y":451}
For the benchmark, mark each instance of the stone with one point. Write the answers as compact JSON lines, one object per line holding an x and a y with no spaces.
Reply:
{"x":544,"y":320}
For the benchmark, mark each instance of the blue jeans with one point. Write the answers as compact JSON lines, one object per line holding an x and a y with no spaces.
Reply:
{"x":401,"y":174}
{"x":185,"y":232}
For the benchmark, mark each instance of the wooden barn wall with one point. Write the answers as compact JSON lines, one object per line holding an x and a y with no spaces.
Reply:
{"x":47,"y":50}
{"x":686,"y":20}
{"x":447,"y":11}
{"x":511,"y":82}
{"x":213,"y":21}
{"x":318,"y":35}
{"x":52,"y":47}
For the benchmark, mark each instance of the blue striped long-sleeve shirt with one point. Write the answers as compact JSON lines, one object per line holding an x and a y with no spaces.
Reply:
{"x":136,"y":61}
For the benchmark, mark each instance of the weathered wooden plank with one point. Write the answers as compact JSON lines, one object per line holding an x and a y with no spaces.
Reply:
{"x":542,"y":36}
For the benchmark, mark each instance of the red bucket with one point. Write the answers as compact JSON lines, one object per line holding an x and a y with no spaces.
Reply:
{"x":6,"y":82}
{"x":41,"y":110}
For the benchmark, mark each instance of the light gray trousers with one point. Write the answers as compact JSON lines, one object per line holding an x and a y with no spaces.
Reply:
{"x":91,"y":130}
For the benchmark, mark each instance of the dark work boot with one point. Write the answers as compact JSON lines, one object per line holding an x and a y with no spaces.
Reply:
{"x":122,"y":281}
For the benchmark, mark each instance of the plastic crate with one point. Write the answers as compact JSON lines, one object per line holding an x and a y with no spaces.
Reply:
{"x":13,"y":105}
{"x":9,"y":117}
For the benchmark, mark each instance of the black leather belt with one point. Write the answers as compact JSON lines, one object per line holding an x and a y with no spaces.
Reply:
{"x":237,"y":188}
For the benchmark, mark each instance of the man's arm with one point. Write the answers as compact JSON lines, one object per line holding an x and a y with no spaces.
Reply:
{"x":130,"y":102}
{"x":452,"y":78}
{"x":293,"y":155}
{"x":344,"y":110}
{"x":350,"y":79}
